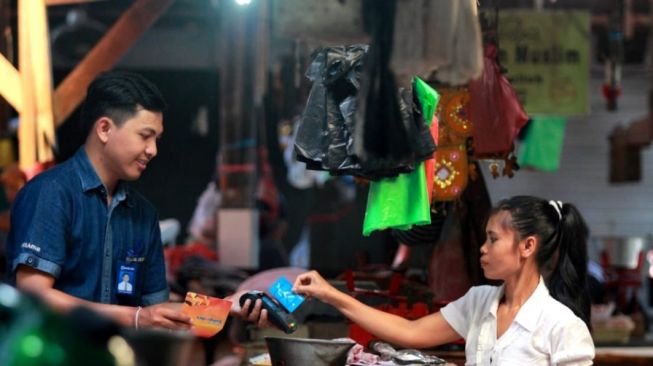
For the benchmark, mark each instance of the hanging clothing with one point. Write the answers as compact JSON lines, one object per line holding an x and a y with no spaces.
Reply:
{"x":495,"y":111}
{"x":542,"y":147}
{"x":437,"y":36}
{"x":403,"y":201}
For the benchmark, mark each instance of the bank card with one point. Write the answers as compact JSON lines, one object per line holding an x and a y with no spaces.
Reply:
{"x":207,"y":314}
{"x":282,"y":292}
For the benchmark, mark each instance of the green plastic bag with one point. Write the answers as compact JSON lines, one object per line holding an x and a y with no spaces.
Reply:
{"x":542,"y":146}
{"x":402,"y":202}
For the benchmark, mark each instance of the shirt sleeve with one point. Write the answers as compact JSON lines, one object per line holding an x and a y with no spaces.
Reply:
{"x":572,"y":344}
{"x":155,"y":286}
{"x":459,"y":312}
{"x":39,"y":225}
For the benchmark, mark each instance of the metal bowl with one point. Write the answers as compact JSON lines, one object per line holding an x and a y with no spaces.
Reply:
{"x":285,"y":351}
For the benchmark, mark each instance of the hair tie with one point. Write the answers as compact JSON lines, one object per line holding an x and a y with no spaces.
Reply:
{"x":558,"y":206}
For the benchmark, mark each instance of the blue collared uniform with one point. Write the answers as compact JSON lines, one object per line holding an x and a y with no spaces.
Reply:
{"x":62,"y":225}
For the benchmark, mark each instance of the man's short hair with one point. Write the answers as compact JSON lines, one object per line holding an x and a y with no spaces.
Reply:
{"x":118,"y":95}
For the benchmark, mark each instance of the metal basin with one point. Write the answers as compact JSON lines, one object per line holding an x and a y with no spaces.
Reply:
{"x":286,"y":351}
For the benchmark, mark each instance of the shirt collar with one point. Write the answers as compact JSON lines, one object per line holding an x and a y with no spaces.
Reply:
{"x":90,"y":181}
{"x":87,"y":175}
{"x":529,"y":313}
{"x":494,"y":305}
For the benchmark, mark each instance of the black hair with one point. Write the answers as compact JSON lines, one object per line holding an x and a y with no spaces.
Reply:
{"x":562,"y":235}
{"x":119,"y":95}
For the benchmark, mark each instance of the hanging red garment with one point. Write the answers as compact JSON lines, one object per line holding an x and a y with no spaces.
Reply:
{"x":495,"y":112}
{"x":429,"y":165}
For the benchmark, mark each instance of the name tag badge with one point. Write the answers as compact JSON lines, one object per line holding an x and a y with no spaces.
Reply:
{"x":134,"y":255}
{"x":126,"y":281}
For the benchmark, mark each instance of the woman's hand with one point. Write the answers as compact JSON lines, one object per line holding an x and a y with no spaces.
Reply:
{"x":166,"y":315}
{"x":311,"y":284}
{"x":253,"y":313}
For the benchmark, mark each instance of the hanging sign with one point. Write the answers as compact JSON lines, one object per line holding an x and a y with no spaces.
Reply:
{"x":547,"y":54}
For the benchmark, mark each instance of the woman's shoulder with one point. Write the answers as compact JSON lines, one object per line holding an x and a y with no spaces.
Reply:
{"x":483,"y":293}
{"x":564,"y":335}
{"x":557,"y":315}
{"x":485,"y":289}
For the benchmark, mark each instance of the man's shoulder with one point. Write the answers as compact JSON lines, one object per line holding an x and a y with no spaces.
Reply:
{"x":58,"y":178}
{"x":63,"y":172}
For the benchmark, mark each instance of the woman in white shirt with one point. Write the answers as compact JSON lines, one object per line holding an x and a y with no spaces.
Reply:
{"x":538,"y":316}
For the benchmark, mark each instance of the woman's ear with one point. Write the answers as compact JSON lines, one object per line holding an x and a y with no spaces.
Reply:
{"x":528,"y":246}
{"x":103,"y":128}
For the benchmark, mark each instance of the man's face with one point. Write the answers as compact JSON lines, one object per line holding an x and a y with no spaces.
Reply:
{"x":125,"y":278}
{"x":130,"y":147}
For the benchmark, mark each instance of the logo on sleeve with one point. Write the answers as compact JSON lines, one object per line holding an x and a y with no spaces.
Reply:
{"x":31,"y":246}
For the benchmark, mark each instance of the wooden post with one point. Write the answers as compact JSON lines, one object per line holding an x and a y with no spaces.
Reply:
{"x":27,"y":125}
{"x":5,"y":37}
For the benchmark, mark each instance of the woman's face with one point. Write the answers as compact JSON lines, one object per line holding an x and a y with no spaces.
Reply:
{"x":500,"y":255}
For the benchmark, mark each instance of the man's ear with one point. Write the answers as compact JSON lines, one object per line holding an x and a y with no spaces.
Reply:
{"x":528,"y":246}
{"x":103,"y":128}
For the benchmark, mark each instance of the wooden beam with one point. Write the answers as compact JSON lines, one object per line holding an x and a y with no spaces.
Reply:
{"x":68,"y":2}
{"x":36,"y":127}
{"x":131,"y":25}
{"x":11,"y":87}
{"x":41,"y":67}
{"x":27,"y":125}
{"x":6,"y":48}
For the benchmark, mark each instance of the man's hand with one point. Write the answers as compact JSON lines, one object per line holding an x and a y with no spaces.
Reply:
{"x":166,"y":315}
{"x":256,"y":315}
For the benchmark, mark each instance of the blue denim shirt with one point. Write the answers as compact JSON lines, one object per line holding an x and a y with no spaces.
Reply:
{"x":62,"y":225}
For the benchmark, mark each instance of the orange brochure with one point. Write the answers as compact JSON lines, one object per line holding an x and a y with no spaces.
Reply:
{"x":208,"y":314}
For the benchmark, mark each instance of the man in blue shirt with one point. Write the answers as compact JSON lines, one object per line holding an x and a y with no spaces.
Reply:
{"x":77,"y":230}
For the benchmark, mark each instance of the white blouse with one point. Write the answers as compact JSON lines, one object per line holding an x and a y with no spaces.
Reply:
{"x":544,"y":332}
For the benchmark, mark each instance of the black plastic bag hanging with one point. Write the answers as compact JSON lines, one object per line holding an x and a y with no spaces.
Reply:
{"x":381,"y":134}
{"x":324,"y":137}
{"x":327,"y":134}
{"x":354,"y":104}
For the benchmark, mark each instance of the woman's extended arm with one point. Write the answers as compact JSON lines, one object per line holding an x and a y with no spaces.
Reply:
{"x":427,"y":331}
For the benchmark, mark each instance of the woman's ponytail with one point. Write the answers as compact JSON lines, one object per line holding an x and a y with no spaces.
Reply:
{"x":567,"y":282}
